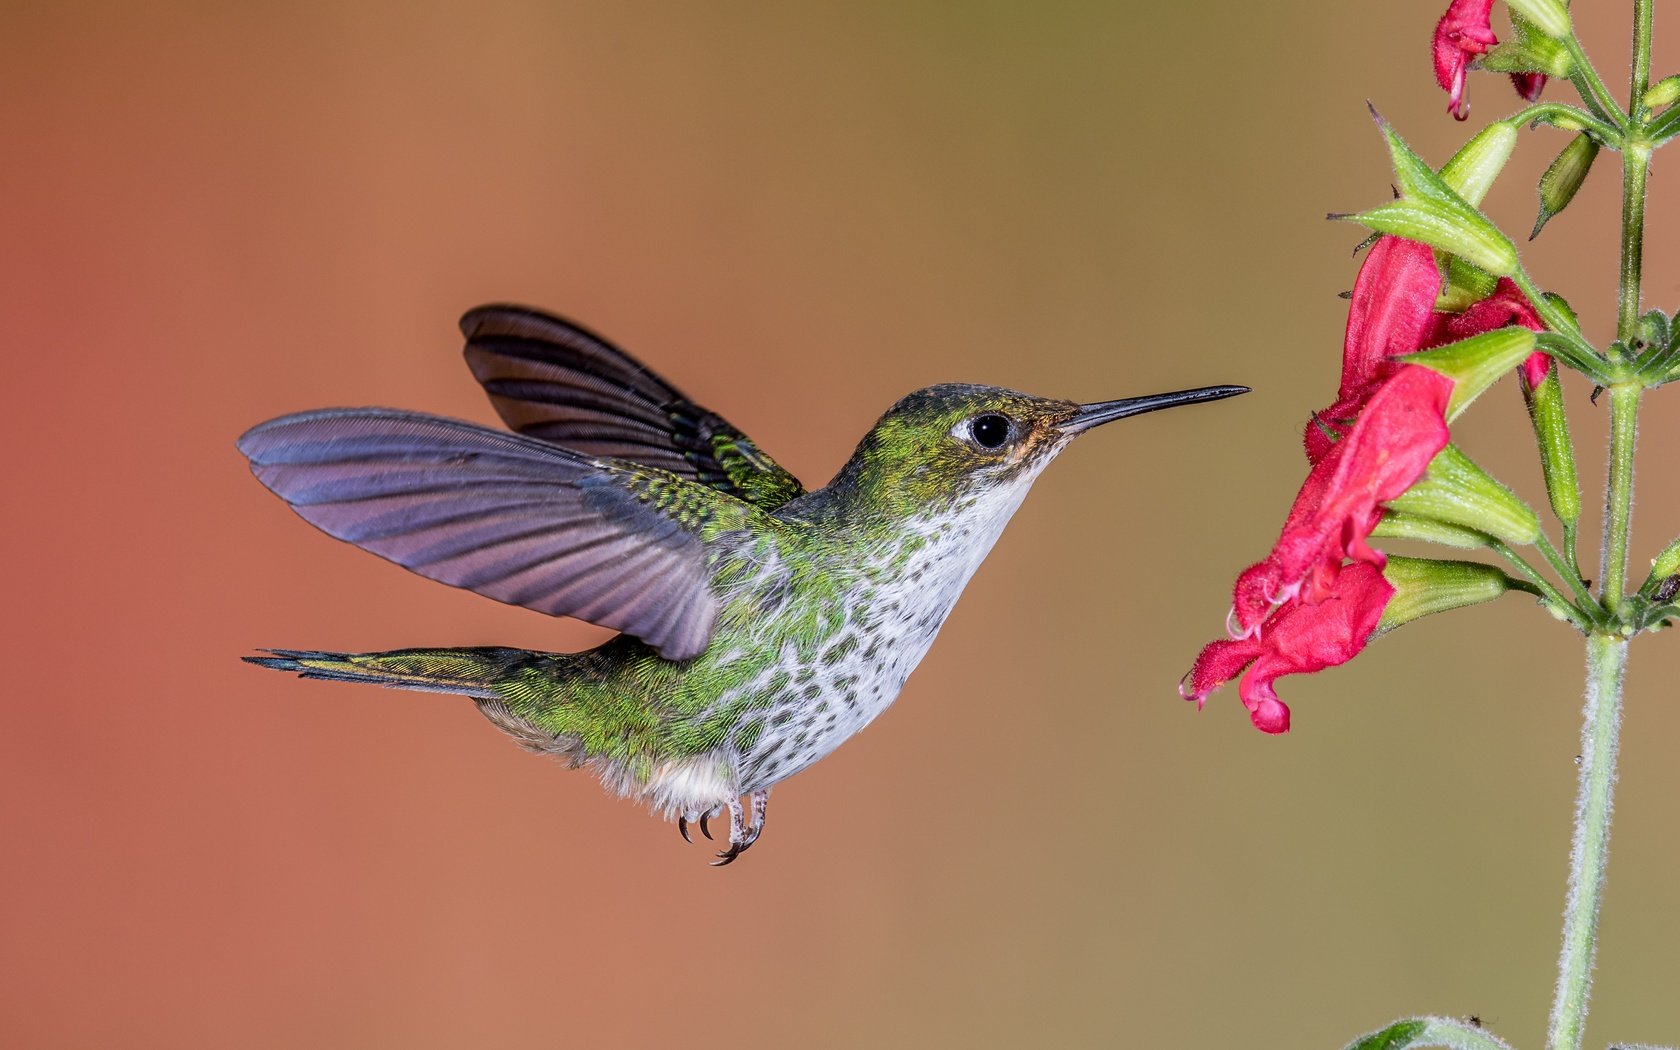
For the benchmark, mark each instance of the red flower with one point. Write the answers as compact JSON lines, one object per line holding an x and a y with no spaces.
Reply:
{"x":1506,"y":306}
{"x":1399,"y":430}
{"x":1529,"y":85}
{"x":1391,"y":313}
{"x":1300,"y":609}
{"x":1464,"y":31}
{"x":1299,"y":637}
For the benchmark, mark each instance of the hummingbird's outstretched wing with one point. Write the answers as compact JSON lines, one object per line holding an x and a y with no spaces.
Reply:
{"x":510,"y":517}
{"x":554,"y":380}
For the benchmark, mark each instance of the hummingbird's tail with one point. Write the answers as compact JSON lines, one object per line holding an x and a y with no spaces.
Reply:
{"x":463,"y":672}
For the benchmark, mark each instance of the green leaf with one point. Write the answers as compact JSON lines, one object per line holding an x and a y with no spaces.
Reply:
{"x":1476,"y":363}
{"x":1430,"y":1032}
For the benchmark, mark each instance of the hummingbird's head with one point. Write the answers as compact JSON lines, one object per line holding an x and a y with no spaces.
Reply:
{"x":943,"y":446}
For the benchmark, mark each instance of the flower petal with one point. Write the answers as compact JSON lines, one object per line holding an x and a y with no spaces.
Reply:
{"x":1399,"y":431}
{"x":1300,"y":637}
{"x":1389,"y":315}
{"x":1465,"y":30}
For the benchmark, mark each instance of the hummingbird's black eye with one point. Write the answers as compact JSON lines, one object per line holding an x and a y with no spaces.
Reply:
{"x":989,"y":431}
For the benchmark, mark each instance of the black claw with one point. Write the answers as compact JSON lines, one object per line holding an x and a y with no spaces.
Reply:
{"x":727,"y":857}
{"x":704,"y":830}
{"x":682,"y":826}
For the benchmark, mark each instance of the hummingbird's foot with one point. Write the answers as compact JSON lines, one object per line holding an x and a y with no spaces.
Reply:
{"x":760,"y":802}
{"x":738,"y":840}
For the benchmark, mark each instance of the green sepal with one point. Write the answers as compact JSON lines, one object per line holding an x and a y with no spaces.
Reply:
{"x":1664,"y":92}
{"x":1415,"y":1033}
{"x":1430,"y":211}
{"x":1563,"y":178}
{"x":1462,"y":285}
{"x":1454,"y":490}
{"x":1473,"y":168}
{"x":1537,"y":54}
{"x":1476,"y":363}
{"x":1426,"y":586}
{"x":1557,"y":449}
{"x":1397,"y":526}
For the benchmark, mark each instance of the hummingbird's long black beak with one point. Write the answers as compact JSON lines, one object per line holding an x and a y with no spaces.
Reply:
{"x":1102,"y":412}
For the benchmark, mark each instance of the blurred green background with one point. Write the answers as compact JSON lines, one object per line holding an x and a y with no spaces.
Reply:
{"x":217,"y":213}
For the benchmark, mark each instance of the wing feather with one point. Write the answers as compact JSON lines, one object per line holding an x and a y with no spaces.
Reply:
{"x":559,"y":382}
{"x":510,"y":517}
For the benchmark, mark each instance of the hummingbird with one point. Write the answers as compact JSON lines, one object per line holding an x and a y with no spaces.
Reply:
{"x":761,"y":624}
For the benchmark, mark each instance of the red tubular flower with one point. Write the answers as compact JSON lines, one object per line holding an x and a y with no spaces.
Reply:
{"x":1390,"y":314}
{"x":1506,"y":306}
{"x":1399,"y":430}
{"x":1300,"y":609}
{"x":1298,"y":638}
{"x":1464,"y":31}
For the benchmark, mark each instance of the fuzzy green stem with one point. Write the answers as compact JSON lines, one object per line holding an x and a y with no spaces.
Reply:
{"x":1636,"y":162}
{"x":1547,"y":590}
{"x":1571,"y":575}
{"x":1600,"y":731}
{"x":1591,"y":86}
{"x":1564,"y":115}
{"x":1639,"y":79}
{"x":1558,"y":323}
{"x":1618,"y":501}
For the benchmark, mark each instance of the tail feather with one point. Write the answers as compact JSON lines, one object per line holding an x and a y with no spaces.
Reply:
{"x":462,"y":672}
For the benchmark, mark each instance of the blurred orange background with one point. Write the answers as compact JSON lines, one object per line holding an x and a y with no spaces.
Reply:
{"x":214,"y":214}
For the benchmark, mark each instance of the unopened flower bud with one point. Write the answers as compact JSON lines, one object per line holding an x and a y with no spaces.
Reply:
{"x":1454,"y":490}
{"x":1476,"y":363}
{"x":1664,"y":92}
{"x":1557,"y":450}
{"x":1424,"y":586}
{"x":1473,"y":168}
{"x":1561,"y":181}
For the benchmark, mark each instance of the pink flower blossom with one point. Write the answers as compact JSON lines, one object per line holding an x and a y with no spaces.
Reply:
{"x":1299,"y":637}
{"x":1462,"y":33}
{"x":1390,"y":313}
{"x":1400,"y":428}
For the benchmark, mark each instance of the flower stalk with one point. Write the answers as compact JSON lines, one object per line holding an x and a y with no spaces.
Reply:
{"x":1600,"y":735}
